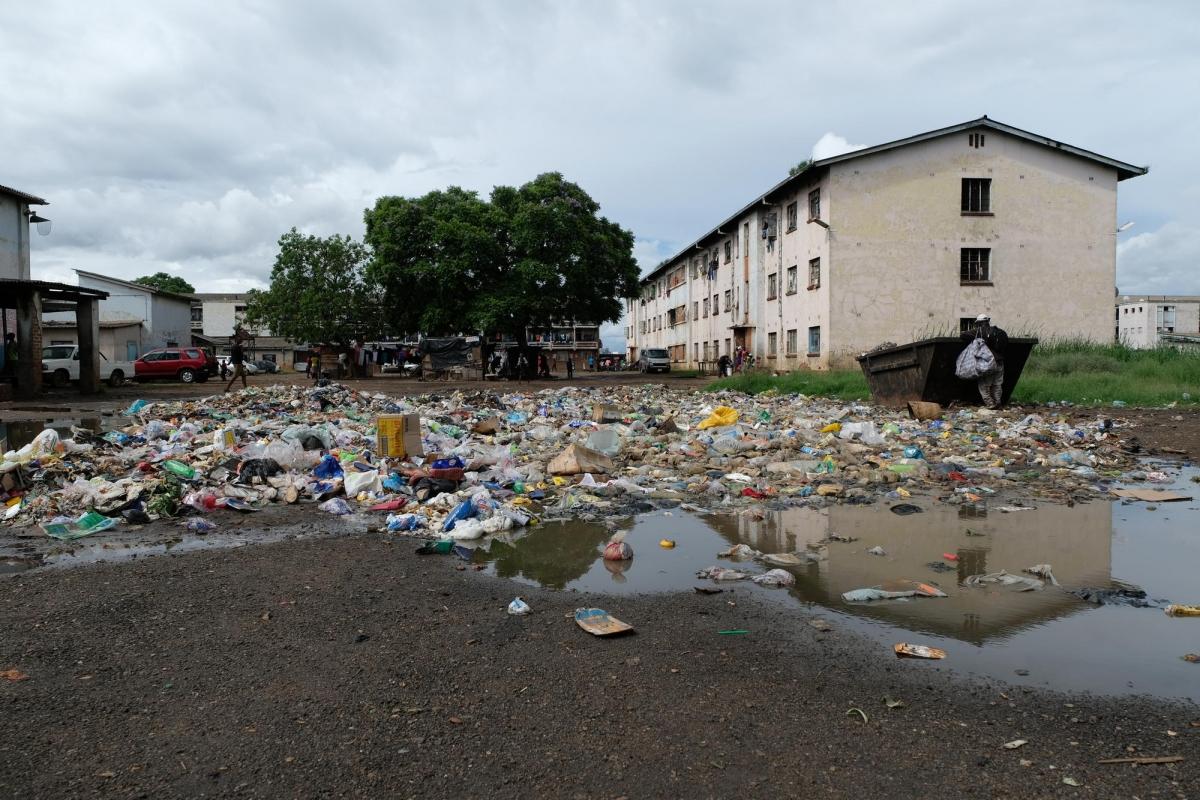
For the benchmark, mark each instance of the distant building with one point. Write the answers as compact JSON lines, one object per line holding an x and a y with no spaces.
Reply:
{"x":15,"y":216}
{"x":219,"y":314}
{"x":562,"y":338}
{"x":1144,"y":321}
{"x":214,"y":318}
{"x":896,"y":242}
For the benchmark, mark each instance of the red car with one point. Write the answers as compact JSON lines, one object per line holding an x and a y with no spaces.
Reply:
{"x":187,"y":364}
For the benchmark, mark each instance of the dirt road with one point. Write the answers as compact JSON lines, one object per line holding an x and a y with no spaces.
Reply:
{"x":352,"y":667}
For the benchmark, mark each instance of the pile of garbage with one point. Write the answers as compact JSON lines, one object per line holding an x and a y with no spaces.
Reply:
{"x":477,"y":463}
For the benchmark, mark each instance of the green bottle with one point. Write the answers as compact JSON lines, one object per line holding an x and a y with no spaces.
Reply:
{"x":179,"y":469}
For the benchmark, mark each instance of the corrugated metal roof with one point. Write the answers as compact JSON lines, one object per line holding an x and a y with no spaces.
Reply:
{"x":32,"y":199}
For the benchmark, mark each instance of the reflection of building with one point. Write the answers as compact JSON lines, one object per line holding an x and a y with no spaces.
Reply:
{"x":560,"y":337}
{"x":896,"y":242}
{"x":1076,"y":541}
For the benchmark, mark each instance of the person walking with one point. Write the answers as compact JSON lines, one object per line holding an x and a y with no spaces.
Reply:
{"x":10,"y":357}
{"x":237,"y":358}
{"x":570,"y":367}
{"x":991,"y":384}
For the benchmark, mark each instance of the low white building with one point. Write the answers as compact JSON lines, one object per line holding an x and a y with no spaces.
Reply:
{"x":1143,"y":320}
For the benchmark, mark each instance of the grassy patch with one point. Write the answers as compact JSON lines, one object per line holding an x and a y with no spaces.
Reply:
{"x":1078,"y":372}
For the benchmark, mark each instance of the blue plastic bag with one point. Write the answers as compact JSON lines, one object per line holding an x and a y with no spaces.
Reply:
{"x":329,"y":467}
{"x":464,"y":510}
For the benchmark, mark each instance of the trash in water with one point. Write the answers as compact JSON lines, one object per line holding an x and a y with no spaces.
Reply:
{"x":877,"y":551}
{"x":723,"y":574}
{"x":904,"y":509}
{"x":1018,"y":582}
{"x":739,"y":551}
{"x":1120,"y":596}
{"x":666,"y":544}
{"x":775,"y":577}
{"x":599,"y":622}
{"x":1175,"y":610}
{"x":1043,"y":571}
{"x":617,"y":548}
{"x":707,"y":590}
{"x":1150,"y":495}
{"x":904,"y":650}
{"x":441,"y":547}
{"x":891,"y":590}
{"x":518,"y":607}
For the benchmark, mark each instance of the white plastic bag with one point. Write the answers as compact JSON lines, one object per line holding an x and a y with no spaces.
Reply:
{"x":975,"y":360}
{"x":356,"y":482}
{"x":518,"y":607}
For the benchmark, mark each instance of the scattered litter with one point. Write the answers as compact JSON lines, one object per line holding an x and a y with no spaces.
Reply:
{"x":599,"y":622}
{"x":1017,"y":582}
{"x":200,"y":526}
{"x":739,"y":551}
{"x":1175,"y":610}
{"x":893,"y":702}
{"x":877,"y":551}
{"x":775,"y":577}
{"x":891,"y":590}
{"x":904,"y":650}
{"x":14,"y":675}
{"x":904,"y":509}
{"x":1150,"y":495}
{"x":1043,"y":571}
{"x":723,"y":574}
{"x":518,"y":607}
{"x":1015,"y":743}
{"x":734,"y":632}
{"x":1069,"y":781}
{"x":707,"y":590}
{"x":860,"y":712}
{"x":1142,"y":760}
{"x":821,"y":624}
{"x":1192,"y":658}
{"x":86,"y":525}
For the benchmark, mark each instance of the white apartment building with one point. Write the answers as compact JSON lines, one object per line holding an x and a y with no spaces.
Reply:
{"x":897,"y":242}
{"x":1143,"y":320}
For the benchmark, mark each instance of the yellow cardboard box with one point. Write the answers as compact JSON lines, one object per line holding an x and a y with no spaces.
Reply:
{"x":398,"y":436}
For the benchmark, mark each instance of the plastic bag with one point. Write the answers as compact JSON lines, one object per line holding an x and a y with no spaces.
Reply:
{"x":721,"y":416}
{"x":775,"y":577}
{"x":335,"y":505}
{"x":975,"y":360}
{"x":329,"y":467}
{"x":44,"y":443}
{"x":518,"y":607}
{"x":356,"y":482}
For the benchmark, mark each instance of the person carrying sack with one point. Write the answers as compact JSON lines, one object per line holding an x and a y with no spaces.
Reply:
{"x":983,"y":360}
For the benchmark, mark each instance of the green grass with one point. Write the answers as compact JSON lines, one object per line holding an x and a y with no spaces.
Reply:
{"x":1078,"y":372}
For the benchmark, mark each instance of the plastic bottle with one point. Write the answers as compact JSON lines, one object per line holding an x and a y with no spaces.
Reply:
{"x":179,"y":469}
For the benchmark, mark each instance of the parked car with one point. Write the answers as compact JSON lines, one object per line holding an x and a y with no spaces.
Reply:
{"x":654,"y":360}
{"x":267,"y":367}
{"x":60,"y":365}
{"x":187,"y":364}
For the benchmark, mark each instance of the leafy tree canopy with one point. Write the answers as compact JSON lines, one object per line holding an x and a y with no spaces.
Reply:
{"x":452,"y":262}
{"x":803,"y":165}
{"x":317,"y":291}
{"x":165,"y":282}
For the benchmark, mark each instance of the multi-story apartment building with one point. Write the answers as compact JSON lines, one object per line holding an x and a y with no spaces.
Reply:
{"x":896,"y":242}
{"x":1152,"y":320}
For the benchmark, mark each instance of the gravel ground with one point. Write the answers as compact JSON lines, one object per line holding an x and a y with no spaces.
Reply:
{"x":350,"y":667}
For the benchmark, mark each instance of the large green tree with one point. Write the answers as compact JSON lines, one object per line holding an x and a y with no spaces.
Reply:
{"x":165,"y":282}
{"x":452,"y":262}
{"x":317,"y":291}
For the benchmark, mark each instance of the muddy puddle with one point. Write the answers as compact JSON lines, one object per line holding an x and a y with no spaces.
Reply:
{"x":15,"y":434}
{"x":1047,"y":637}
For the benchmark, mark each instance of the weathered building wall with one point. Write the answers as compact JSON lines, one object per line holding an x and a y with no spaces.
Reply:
{"x":898,"y":229}
{"x":14,"y":239}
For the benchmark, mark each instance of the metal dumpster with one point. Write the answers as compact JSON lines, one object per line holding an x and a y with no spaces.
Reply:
{"x":924,"y":370}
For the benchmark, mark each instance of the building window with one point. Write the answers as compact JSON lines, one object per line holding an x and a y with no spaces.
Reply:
{"x":728,"y":251}
{"x":814,"y":340}
{"x":1165,"y":319}
{"x":197,"y":313}
{"x":728,"y":300}
{"x":772,"y":344}
{"x":791,"y":342}
{"x":696,"y":351}
{"x":976,"y":195}
{"x":975,"y":265}
{"x":791,"y":279}
{"x":706,"y":351}
{"x":773,"y":286}
{"x":791,"y":216}
{"x":966,"y":325}
{"x":696,"y":309}
{"x":727,"y":350}
{"x":706,"y":306}
{"x":975,"y":139}
{"x":814,"y":274}
{"x":814,"y":204}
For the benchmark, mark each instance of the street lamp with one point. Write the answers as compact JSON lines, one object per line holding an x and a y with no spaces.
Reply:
{"x":43,"y":224}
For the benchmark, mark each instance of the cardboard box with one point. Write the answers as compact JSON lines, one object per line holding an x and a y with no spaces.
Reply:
{"x":398,"y":436}
{"x":603,"y":413}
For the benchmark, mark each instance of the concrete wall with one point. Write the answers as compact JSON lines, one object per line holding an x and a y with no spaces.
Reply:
{"x":172,"y":321}
{"x":1137,"y":321}
{"x":220,"y":317}
{"x":897,"y":231}
{"x":113,"y":340}
{"x":14,"y":239}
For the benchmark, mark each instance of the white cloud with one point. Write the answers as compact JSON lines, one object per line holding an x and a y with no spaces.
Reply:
{"x":1165,"y":261}
{"x":831,"y":145}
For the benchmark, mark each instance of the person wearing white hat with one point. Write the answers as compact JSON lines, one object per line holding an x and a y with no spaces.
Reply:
{"x":991,"y":385}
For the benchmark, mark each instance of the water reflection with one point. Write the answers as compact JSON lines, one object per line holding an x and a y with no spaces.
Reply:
{"x":1077,"y":541}
{"x":15,"y":434}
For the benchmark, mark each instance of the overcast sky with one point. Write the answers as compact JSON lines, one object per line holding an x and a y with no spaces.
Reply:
{"x":187,"y":137}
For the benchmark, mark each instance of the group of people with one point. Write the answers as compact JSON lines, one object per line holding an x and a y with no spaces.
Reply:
{"x":517,"y":365}
{"x":741,"y":361}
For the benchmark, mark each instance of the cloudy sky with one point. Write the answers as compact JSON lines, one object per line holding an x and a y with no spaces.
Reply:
{"x":187,"y":136}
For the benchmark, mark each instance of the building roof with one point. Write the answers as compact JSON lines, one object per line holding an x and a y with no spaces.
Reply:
{"x":218,"y":297}
{"x":133,"y":285}
{"x":52,"y":293}
{"x":1124,"y":170}
{"x":28,"y":198}
{"x":1126,"y":299}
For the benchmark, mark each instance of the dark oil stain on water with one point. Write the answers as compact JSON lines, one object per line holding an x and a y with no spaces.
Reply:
{"x":1063,"y":642}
